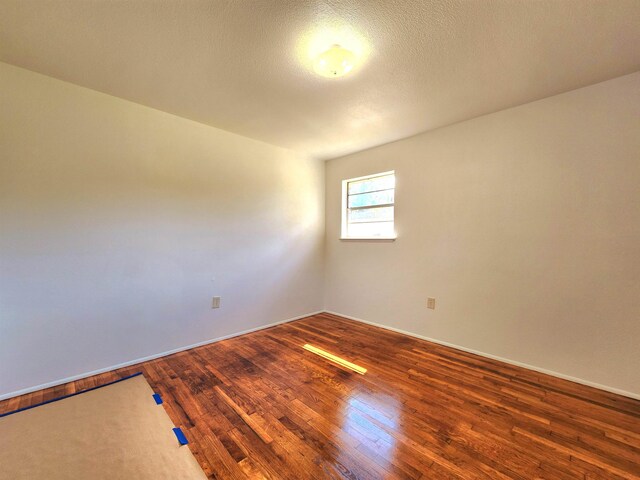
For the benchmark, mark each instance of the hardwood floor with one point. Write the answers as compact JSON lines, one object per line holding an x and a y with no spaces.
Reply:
{"x":259,"y":406}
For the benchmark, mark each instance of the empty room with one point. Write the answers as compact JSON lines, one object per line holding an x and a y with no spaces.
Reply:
{"x":332,"y":239}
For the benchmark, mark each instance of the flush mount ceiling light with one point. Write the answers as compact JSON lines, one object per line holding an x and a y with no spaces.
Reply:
{"x":332,"y":48}
{"x":335,"y":62}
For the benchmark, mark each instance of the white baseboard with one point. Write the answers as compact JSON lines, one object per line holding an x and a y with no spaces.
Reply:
{"x":146,"y":359}
{"x":495,"y":357}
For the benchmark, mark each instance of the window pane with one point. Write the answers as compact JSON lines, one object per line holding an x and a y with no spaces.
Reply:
{"x":369,"y":207}
{"x":371,"y":184}
{"x":381,"y":229}
{"x":375,"y":198}
{"x":376,"y":214}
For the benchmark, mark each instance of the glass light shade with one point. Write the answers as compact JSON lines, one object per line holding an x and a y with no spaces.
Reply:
{"x":335,"y":62}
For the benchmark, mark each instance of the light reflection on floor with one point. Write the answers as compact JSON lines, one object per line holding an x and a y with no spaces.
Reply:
{"x":370,"y":417}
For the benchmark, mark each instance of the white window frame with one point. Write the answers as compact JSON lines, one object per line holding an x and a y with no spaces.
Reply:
{"x":345,"y":209}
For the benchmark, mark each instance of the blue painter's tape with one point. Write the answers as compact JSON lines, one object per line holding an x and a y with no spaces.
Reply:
{"x":70,"y":395}
{"x":157,"y":398}
{"x":180,"y":436}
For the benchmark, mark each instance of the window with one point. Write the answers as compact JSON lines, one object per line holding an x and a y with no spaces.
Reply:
{"x":368,"y":206}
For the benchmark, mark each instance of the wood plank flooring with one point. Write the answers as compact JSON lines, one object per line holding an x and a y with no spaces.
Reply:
{"x":259,"y":406}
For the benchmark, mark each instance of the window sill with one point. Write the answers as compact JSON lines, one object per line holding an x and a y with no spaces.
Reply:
{"x":368,"y":239}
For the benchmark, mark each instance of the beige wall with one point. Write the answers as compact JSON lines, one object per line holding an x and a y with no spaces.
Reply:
{"x":525,"y":227}
{"x":118,"y":223}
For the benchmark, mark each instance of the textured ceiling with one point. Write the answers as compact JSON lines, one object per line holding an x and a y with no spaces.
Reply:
{"x":243,"y":65}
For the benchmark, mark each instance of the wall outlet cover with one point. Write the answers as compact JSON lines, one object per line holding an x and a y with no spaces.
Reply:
{"x":215,"y":303}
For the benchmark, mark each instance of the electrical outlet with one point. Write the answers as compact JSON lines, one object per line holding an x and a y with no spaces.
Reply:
{"x":215,"y":303}
{"x":431,"y":303}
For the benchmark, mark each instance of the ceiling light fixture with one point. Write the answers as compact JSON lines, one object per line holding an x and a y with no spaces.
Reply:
{"x":335,"y":62}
